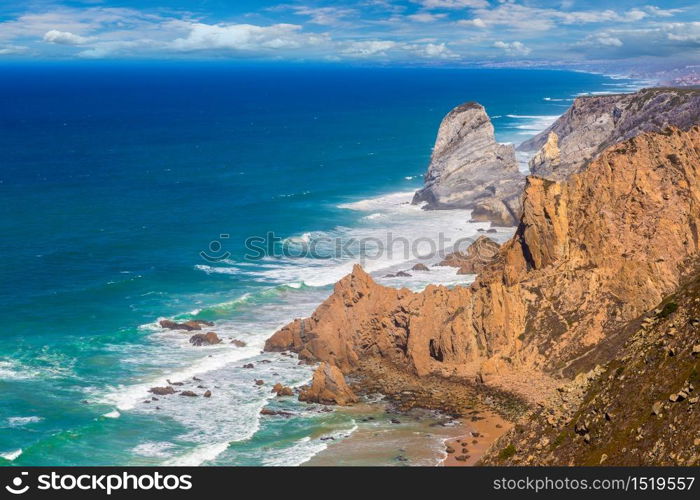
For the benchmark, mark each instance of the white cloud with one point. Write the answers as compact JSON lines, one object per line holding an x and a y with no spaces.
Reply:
{"x":513,"y":48}
{"x":476,"y":22}
{"x":245,"y":37}
{"x":608,"y":40}
{"x":64,"y":38}
{"x":368,"y":48}
{"x":7,"y":50}
{"x":452,"y":4}
{"x":327,"y":16}
{"x":426,"y":17}
{"x":436,"y":51}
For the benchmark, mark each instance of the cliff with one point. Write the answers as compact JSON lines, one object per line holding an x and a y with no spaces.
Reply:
{"x":640,"y":408}
{"x":590,"y":254}
{"x":595,"y":123}
{"x":469,"y":169}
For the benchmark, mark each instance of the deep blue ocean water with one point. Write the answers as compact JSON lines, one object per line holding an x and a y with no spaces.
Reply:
{"x":113,"y":179}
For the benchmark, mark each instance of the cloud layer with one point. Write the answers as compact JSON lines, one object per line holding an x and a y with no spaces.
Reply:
{"x":384,"y":31}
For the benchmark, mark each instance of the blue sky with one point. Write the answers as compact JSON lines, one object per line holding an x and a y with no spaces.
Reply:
{"x":421,"y":32}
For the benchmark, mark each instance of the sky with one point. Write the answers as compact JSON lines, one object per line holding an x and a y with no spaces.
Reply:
{"x":383,"y":32}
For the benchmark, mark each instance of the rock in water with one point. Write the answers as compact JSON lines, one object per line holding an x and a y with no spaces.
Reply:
{"x":477,"y":256}
{"x":162,"y":391}
{"x":200,"y":339}
{"x":328,"y":387}
{"x":193,"y":324}
{"x":469,"y":169}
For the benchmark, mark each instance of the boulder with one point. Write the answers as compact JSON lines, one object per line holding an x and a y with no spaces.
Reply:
{"x":162,"y":391}
{"x":238,"y":343}
{"x":282,"y":390}
{"x":189,"y":394}
{"x":201,"y":339}
{"x":207,"y":394}
{"x":420,"y":267}
{"x":476,"y":257}
{"x":328,"y":387}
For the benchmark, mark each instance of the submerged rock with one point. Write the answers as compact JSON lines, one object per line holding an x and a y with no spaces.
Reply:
{"x":193,"y":324}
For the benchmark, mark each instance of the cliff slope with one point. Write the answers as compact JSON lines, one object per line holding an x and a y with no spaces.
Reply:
{"x":595,"y":123}
{"x":641,"y":408}
{"x":469,"y":169}
{"x":590,"y":254}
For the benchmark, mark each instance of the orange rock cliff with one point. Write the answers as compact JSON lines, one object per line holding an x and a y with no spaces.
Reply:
{"x":590,"y":253}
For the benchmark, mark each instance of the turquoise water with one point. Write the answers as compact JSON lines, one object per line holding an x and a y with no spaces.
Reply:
{"x":115,"y":177}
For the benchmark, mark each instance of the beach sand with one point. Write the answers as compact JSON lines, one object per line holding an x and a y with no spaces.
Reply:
{"x":477,"y":438}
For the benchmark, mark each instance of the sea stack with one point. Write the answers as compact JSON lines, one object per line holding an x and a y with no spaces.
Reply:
{"x":469,"y":169}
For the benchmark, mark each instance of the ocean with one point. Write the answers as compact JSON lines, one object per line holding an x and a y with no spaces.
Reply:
{"x":129,"y":192}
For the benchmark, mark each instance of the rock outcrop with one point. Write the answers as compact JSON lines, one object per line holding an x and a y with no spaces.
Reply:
{"x":328,"y":387}
{"x":469,"y":169}
{"x":590,"y":254}
{"x":476,"y":257}
{"x":203,"y":339}
{"x":595,"y":123}
{"x":193,"y":324}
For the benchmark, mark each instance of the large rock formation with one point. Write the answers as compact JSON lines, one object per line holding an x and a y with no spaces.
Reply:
{"x":595,"y":123}
{"x":328,"y":387}
{"x":469,"y":169}
{"x":590,"y":254}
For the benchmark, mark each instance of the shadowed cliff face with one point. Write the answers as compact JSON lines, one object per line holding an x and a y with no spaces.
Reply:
{"x":595,"y":123}
{"x":469,"y":169}
{"x":589,"y":255}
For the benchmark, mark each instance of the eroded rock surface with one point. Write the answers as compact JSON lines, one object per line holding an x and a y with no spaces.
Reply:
{"x":469,"y":169}
{"x":594,"y":123}
{"x":328,"y":387}
{"x":476,"y":257}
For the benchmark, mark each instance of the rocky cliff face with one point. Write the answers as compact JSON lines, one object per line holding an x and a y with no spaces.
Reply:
{"x":595,"y":123}
{"x":640,"y":408}
{"x":590,"y":254}
{"x":469,"y":169}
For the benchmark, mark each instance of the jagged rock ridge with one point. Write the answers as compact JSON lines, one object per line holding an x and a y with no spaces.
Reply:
{"x":594,"y":123}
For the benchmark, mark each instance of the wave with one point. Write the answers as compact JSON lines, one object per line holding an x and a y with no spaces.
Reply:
{"x":304,"y":449}
{"x":22,"y":421}
{"x":199,"y":455}
{"x":11,"y":455}
{"x":153,"y":449}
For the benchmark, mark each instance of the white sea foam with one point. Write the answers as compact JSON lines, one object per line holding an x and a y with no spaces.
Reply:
{"x":303,"y":449}
{"x":532,"y":124}
{"x":21,"y":421}
{"x":199,"y":455}
{"x":11,"y":455}
{"x":112,"y":414}
{"x":162,"y":449}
